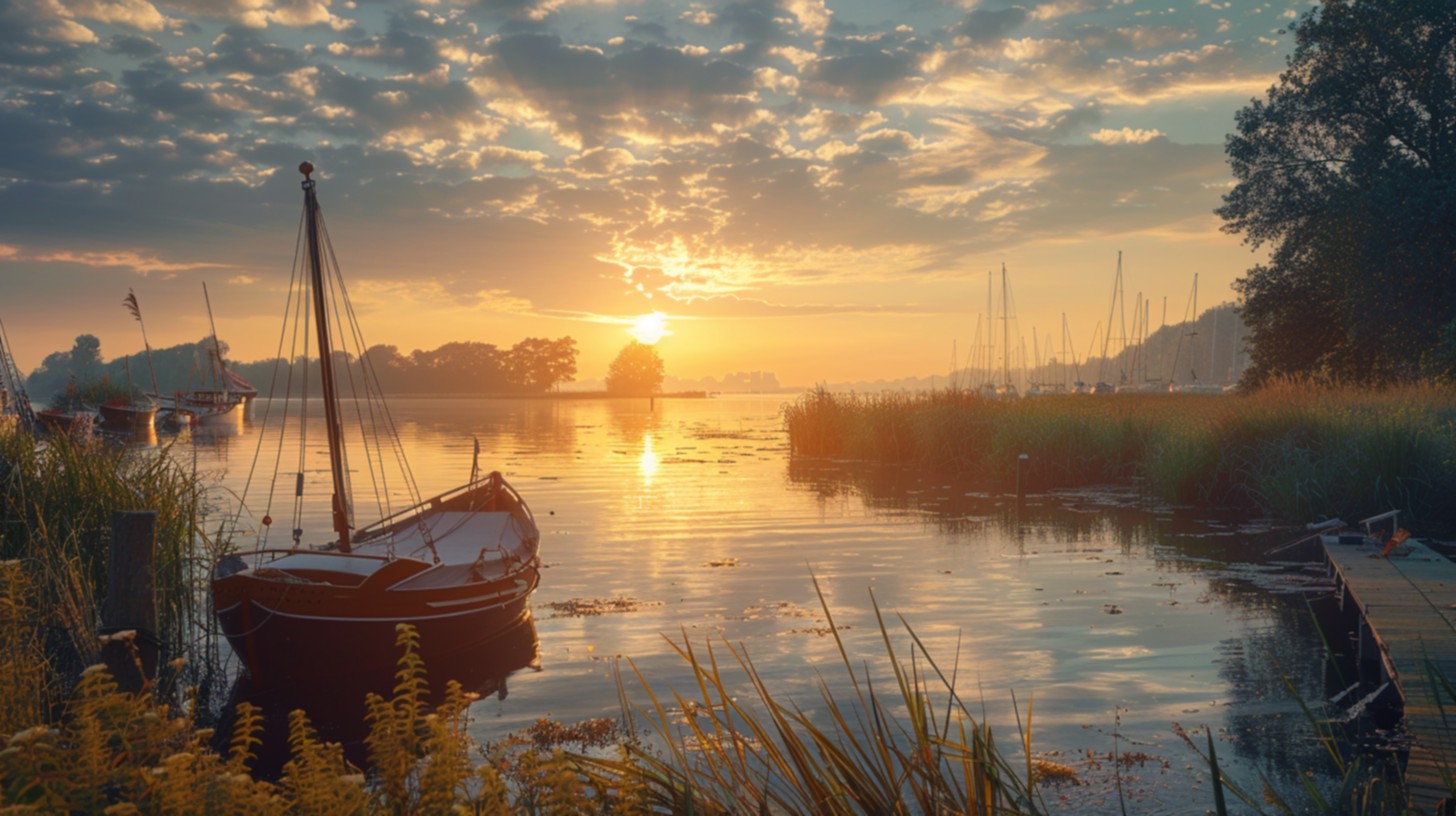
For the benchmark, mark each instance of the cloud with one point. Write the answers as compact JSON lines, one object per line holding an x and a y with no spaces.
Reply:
{"x":399,"y":47}
{"x":982,"y":26}
{"x":137,"y":261}
{"x":40,"y":32}
{"x":649,"y":92}
{"x":138,"y":14}
{"x":1125,"y":136}
{"x":257,"y":13}
{"x":244,"y":49}
{"x":870,"y":76}
{"x":134,"y":46}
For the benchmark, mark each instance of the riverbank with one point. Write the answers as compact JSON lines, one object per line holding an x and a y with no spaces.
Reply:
{"x":1294,"y":451}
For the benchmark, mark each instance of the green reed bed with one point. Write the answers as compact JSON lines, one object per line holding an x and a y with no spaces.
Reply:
{"x":57,"y":497}
{"x":1292,"y":450}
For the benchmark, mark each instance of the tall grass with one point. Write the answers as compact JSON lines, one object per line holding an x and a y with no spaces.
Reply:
{"x":1292,"y":450}
{"x":57,"y":497}
{"x":908,"y":746}
{"x":912,"y":747}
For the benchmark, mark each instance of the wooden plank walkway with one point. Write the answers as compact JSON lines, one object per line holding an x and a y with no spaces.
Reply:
{"x":1408,"y":605}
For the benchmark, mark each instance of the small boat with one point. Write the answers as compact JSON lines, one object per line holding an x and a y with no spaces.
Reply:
{"x":460,"y":567}
{"x":200,"y":407}
{"x":57,"y":420}
{"x":125,"y":415}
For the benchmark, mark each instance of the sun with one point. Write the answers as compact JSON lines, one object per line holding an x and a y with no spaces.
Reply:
{"x":650,"y":328}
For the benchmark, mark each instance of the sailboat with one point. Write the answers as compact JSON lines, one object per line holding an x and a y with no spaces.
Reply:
{"x":460,"y":567}
{"x":1005,"y":389}
{"x":226,"y":390}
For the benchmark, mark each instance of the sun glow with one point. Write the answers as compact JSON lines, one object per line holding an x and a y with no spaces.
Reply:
{"x":650,"y":328}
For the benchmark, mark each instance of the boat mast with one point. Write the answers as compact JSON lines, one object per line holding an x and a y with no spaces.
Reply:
{"x":217,"y":366}
{"x":326,"y":359}
{"x":14,"y":395}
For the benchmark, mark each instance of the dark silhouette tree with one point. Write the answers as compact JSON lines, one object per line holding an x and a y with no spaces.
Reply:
{"x":637,"y":371}
{"x":1348,"y":172}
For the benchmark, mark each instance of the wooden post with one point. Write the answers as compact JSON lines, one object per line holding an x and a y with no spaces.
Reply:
{"x":1021,"y":478}
{"x":131,"y":604}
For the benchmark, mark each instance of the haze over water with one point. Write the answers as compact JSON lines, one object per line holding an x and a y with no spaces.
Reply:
{"x":1108,"y":618}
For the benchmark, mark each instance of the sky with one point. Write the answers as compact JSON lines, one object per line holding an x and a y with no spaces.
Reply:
{"x":818,"y":189}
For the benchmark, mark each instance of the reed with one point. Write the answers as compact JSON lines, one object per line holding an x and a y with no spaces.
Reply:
{"x":912,"y":749}
{"x":57,"y":497}
{"x":1294,"y":450}
{"x":915,"y":748}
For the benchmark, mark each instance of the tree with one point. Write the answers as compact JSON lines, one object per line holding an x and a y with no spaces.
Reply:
{"x":1348,"y":172}
{"x":537,"y":365}
{"x":637,"y":371}
{"x":86,"y":357}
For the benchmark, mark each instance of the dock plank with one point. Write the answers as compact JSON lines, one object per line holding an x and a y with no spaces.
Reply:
{"x":1407,"y":603}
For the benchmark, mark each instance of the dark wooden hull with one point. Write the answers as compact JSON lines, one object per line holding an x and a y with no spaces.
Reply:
{"x":127,"y":417}
{"x":64,"y":422}
{"x":281,"y":642}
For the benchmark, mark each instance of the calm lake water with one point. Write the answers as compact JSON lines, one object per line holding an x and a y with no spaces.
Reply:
{"x":1112,"y":619}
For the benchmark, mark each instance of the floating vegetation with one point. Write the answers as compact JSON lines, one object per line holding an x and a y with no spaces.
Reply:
{"x":598,"y":732}
{"x":781,"y":609}
{"x":590,"y":607}
{"x":821,"y":631}
{"x":723,"y":562}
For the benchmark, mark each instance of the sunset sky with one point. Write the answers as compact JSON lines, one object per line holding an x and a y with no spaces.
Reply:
{"x":814,"y":189}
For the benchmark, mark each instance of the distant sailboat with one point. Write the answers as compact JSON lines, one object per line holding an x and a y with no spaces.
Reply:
{"x":226,"y":390}
{"x":1005,"y":389}
{"x":460,"y":567}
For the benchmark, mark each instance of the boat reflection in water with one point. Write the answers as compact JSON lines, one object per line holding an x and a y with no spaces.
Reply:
{"x":336,"y":707}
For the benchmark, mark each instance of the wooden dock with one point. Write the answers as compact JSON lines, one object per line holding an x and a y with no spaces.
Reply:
{"x":1406,"y":605}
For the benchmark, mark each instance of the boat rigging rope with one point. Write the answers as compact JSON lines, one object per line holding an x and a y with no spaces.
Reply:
{"x":278,"y":363}
{"x":377,"y":427}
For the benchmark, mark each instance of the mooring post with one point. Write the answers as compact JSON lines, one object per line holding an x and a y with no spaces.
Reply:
{"x":1021,"y":478}
{"x":131,"y":604}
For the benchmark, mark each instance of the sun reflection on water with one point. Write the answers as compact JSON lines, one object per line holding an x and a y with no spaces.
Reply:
{"x":648,"y":462}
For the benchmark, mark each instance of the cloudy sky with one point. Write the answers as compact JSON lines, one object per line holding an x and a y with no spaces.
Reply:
{"x":814,"y":188}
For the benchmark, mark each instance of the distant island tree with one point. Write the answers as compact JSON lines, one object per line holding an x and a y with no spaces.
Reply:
{"x":1348,"y":172}
{"x":637,"y":372}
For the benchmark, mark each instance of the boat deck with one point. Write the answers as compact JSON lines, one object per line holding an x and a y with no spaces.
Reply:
{"x":1407,"y":604}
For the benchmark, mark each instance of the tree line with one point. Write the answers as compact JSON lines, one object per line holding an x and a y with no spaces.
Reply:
{"x":532,"y":366}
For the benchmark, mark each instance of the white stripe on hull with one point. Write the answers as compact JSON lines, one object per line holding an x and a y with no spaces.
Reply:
{"x":388,"y":619}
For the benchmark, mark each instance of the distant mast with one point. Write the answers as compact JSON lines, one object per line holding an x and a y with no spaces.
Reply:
{"x":1005,"y":331}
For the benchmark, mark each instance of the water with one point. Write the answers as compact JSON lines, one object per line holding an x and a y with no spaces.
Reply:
{"x":687,"y":520}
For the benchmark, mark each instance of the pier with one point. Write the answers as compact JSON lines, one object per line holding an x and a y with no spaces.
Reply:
{"x":1405,"y":604}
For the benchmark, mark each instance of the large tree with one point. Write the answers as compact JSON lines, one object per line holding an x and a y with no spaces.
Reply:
{"x":537,"y":365}
{"x":637,"y":371}
{"x":1347,"y":172}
